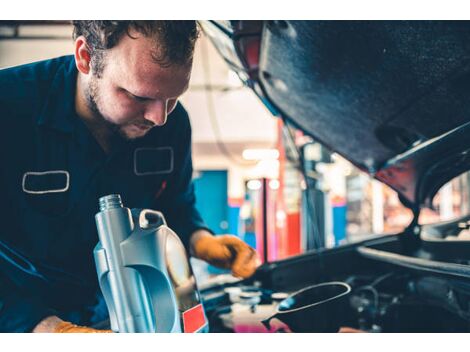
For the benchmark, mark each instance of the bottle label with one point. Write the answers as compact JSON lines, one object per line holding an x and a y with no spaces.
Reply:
{"x":193,"y":319}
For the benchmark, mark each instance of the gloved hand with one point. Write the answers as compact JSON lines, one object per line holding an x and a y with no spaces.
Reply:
{"x":227,"y":252}
{"x":347,"y":330}
{"x":55,"y":324}
{"x":66,"y":327}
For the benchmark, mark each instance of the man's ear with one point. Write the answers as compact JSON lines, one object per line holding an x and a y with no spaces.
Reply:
{"x":82,"y":55}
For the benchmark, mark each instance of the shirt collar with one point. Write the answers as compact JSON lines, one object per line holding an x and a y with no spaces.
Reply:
{"x":58,"y":111}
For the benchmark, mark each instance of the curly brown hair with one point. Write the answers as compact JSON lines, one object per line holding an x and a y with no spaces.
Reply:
{"x":174,"y":40}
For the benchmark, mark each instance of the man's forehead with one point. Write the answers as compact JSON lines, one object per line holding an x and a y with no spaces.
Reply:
{"x":137,"y":69}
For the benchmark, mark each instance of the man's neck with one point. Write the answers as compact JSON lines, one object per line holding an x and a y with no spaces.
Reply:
{"x":98,"y":128}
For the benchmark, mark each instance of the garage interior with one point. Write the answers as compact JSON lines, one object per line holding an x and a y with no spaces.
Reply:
{"x":303,"y":207}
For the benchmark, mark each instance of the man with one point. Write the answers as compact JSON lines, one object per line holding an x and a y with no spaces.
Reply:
{"x":105,"y":120}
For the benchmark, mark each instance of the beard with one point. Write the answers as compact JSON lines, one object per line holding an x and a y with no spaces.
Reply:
{"x":93,"y":100}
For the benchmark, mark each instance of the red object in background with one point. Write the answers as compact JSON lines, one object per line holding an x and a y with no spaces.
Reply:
{"x":261,"y":223}
{"x":277,"y":232}
{"x":290,"y":243}
{"x":338,"y":201}
{"x":278,"y":229}
{"x":293,"y":234}
{"x":193,"y":319}
{"x":252,"y":46}
{"x":267,"y":241}
{"x":235,"y":202}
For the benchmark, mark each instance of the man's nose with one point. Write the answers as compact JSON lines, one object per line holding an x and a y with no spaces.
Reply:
{"x":156,"y":112}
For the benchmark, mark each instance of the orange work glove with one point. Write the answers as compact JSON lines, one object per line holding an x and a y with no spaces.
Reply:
{"x":346,"y":329}
{"x":66,"y":327}
{"x":227,"y":252}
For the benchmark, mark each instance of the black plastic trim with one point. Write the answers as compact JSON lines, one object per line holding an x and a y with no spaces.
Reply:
{"x":420,"y":264}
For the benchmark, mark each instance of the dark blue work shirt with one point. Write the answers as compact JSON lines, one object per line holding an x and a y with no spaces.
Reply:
{"x":52,"y":174}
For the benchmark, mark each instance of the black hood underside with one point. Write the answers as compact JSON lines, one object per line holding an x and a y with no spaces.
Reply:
{"x":371,"y":91}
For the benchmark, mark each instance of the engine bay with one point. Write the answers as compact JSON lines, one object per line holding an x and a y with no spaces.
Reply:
{"x":394,"y":289}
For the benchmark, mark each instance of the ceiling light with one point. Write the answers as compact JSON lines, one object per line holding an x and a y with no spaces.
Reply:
{"x":260,"y":154}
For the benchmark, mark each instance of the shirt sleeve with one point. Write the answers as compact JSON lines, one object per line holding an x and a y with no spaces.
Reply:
{"x":20,"y":312}
{"x":179,"y":200}
{"x":20,"y":307}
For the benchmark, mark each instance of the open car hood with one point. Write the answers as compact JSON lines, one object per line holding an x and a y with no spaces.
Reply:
{"x":392,"y":97}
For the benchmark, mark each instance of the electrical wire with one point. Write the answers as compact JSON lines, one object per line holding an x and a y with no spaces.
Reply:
{"x":380,"y":279}
{"x":212,"y":113}
{"x":374,"y":292}
{"x":298,"y":160}
{"x":371,"y":288}
{"x":299,"y":164}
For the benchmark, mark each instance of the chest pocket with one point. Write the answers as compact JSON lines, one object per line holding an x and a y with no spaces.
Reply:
{"x":153,"y":161}
{"x":143,"y":176}
{"x":47,"y":192}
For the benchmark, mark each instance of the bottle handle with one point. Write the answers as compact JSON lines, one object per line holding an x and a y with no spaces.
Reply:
{"x":150,"y":219}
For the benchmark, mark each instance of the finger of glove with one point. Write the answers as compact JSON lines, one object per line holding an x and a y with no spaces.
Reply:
{"x":219,"y":251}
{"x":216,"y":253}
{"x":83,"y":329}
{"x":212,"y":246}
{"x":232,"y":241}
{"x":245,"y":258}
{"x":67,"y":327}
{"x":244,"y":264}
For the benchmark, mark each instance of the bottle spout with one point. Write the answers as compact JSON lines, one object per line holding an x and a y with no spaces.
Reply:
{"x":112,"y":201}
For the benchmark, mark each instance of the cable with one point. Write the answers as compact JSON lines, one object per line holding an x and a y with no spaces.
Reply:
{"x":224,"y":150}
{"x":212,"y":113}
{"x":299,"y":164}
{"x":371,"y":288}
{"x":374,"y":292}
{"x":310,"y":204}
{"x":380,"y":279}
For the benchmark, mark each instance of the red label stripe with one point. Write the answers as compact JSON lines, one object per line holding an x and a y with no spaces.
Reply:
{"x":193,"y":319}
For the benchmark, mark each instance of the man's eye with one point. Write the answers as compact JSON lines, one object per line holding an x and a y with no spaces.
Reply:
{"x":139,"y":99}
{"x":135,"y":97}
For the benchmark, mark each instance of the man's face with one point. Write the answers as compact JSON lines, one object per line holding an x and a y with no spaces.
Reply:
{"x":134,"y":93}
